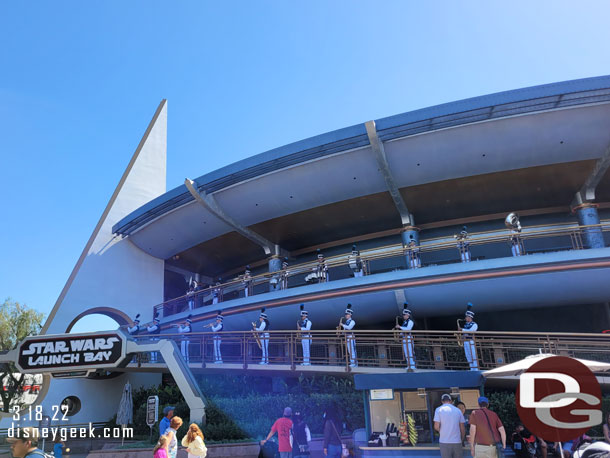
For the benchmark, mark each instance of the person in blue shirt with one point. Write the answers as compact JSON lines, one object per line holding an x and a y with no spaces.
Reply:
{"x":168,"y":413}
{"x":58,"y":448}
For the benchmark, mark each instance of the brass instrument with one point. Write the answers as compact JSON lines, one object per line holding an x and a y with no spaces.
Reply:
{"x":340,"y":327}
{"x":208,"y":325}
{"x":256,"y":337}
{"x":397,"y":332}
{"x":459,"y":335}
{"x":512,"y":222}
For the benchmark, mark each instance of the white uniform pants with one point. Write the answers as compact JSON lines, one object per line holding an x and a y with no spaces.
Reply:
{"x":306,"y":343}
{"x":464,"y":251}
{"x":215,"y":300}
{"x":515,"y":248}
{"x":358,"y":273}
{"x":153,"y":354}
{"x":217,"y":354}
{"x":265,"y":347}
{"x":471,"y":354}
{"x":407,"y":348}
{"x":351,"y":348}
{"x":184,"y":349}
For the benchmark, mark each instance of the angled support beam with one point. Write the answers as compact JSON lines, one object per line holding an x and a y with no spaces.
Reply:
{"x":208,"y":202}
{"x":377,"y":146}
{"x":180,"y":371}
{"x":587,"y":192}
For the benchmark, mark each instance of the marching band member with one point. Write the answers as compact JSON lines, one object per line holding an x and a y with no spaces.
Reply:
{"x":216,"y":292}
{"x":216,"y":328}
{"x":513,"y":223}
{"x":322,"y":268}
{"x":407,"y":338}
{"x":247,"y":281}
{"x":133,"y":330}
{"x":305,"y":325}
{"x":155,"y":330}
{"x":284,"y":277}
{"x":355,"y":262}
{"x":351,"y":340}
{"x":186,"y":329}
{"x":463,"y":245}
{"x":469,"y":348}
{"x":190,"y":295}
{"x":263,"y":328}
{"x":413,"y":255}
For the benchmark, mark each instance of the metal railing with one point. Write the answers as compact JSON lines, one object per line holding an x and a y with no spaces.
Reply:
{"x":383,"y":349}
{"x":562,"y":236}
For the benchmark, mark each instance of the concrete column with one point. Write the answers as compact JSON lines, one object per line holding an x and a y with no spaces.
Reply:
{"x":587,"y":215}
{"x":275,"y":265}
{"x":411,"y":234}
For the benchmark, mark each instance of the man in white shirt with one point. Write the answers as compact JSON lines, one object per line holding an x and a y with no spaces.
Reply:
{"x":449,"y":422}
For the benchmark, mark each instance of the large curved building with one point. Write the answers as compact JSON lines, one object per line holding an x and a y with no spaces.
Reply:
{"x":425,"y":174}
{"x":424,"y":197}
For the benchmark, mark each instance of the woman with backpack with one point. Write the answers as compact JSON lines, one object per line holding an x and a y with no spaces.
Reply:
{"x":301,"y":436}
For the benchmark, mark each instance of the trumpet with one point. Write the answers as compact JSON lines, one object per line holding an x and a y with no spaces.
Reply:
{"x":256,"y":337}
{"x":208,"y":325}
{"x":458,"y":335}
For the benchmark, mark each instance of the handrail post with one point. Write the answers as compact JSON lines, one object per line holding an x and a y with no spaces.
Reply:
{"x":202,"y":351}
{"x":292,"y":349}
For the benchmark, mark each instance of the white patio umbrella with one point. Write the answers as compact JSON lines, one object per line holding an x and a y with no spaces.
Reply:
{"x":124,"y":415}
{"x":521,"y":366}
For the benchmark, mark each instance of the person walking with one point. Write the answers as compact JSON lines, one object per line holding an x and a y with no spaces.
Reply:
{"x":160,"y":450}
{"x":301,"y":437}
{"x":193,"y":441}
{"x":174,"y":425}
{"x":486,"y":432}
{"x":332,"y":445}
{"x":449,"y":423}
{"x":168,"y":413}
{"x":283,"y":428}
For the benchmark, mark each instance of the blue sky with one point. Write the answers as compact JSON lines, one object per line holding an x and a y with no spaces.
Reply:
{"x":79,"y":82}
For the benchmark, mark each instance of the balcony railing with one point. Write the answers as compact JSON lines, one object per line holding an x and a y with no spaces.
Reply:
{"x":383,"y":349}
{"x":556,"y":237}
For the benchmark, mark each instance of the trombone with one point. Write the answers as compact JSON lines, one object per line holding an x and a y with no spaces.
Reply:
{"x":459,"y":335}
{"x":256,"y":337}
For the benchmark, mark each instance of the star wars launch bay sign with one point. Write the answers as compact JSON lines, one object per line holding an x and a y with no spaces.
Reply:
{"x":71,"y":351}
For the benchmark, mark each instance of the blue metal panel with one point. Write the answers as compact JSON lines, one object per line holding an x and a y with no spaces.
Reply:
{"x":412,"y":381}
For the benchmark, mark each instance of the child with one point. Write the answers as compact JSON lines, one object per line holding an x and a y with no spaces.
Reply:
{"x":160,"y":450}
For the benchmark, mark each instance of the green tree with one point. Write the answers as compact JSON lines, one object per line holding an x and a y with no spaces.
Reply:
{"x":17,"y":321}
